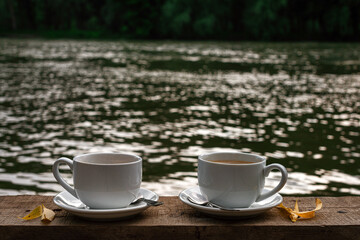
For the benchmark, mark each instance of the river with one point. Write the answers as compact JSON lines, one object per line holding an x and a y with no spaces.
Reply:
{"x":298,"y":104}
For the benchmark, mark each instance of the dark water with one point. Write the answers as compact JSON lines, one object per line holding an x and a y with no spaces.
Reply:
{"x":297,"y":103}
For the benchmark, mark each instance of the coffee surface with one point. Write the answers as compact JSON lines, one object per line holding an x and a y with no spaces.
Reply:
{"x":106,"y":159}
{"x":231,"y":161}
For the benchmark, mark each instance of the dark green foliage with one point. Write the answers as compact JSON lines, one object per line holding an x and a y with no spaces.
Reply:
{"x":326,"y":20}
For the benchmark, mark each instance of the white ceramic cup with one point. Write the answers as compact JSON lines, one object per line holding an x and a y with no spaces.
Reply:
{"x":103,"y":180}
{"x":236,"y":185}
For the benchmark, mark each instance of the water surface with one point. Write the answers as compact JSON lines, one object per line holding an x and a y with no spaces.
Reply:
{"x":296,"y":103}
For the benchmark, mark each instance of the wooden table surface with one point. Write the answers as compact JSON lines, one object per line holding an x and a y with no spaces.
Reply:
{"x":338,"y":219}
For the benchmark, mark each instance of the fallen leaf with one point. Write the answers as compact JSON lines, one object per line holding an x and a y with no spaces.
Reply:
{"x":37,"y":212}
{"x":296,"y":208}
{"x":46,"y":214}
{"x":296,"y":214}
{"x":292,"y":215}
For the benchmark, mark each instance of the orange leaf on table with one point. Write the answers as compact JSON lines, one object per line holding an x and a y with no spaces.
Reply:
{"x":296,"y":214}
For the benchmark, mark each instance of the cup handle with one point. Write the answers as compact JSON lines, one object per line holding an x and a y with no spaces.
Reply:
{"x":57,"y":176}
{"x":284,"y":177}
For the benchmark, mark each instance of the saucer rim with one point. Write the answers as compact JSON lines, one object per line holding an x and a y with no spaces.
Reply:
{"x":129,"y":208}
{"x":236,"y":210}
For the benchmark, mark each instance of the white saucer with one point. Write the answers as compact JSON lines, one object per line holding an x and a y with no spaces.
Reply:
{"x":64,"y":198}
{"x":255,"y":209}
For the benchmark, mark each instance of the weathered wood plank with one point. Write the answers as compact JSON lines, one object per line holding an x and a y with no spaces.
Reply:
{"x":339,"y":219}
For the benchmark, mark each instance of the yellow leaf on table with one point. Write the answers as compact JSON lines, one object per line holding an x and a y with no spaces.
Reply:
{"x":296,"y":208}
{"x":292,"y":215}
{"x":46,"y":214}
{"x":296,"y":214}
{"x":37,"y":212}
{"x":311,"y":214}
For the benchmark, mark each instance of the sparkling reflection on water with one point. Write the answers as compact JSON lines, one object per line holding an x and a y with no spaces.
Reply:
{"x":298,"y":104}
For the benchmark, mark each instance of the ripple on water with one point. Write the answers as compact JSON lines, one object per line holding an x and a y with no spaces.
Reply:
{"x":298,"y":104}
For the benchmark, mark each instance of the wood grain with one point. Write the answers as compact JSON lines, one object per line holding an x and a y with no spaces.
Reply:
{"x":339,"y":219}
